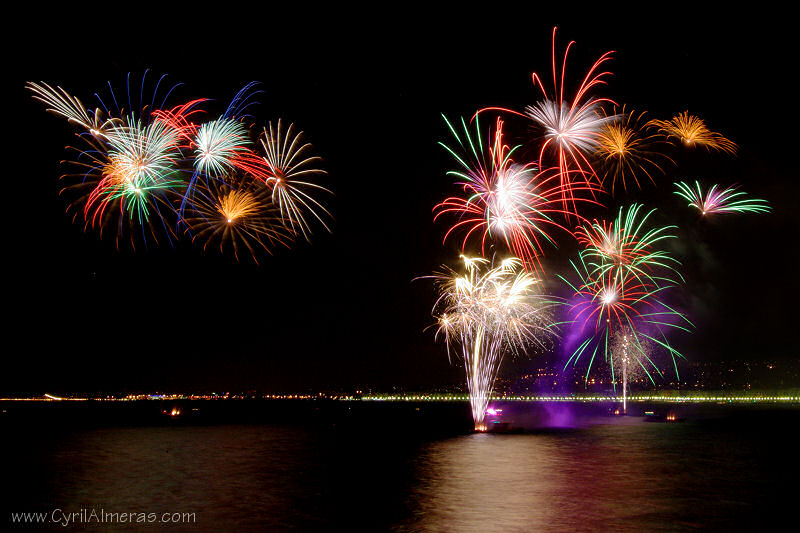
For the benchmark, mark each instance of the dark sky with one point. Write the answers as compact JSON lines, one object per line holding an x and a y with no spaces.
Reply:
{"x":368,"y":87}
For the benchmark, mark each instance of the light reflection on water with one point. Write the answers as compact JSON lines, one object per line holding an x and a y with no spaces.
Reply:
{"x":543,"y":482}
{"x":614,"y":477}
{"x":628,"y":476}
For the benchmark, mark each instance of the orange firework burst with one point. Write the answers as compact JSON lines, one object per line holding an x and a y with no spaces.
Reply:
{"x":236,"y":211}
{"x":626,"y":149}
{"x":692,"y":131}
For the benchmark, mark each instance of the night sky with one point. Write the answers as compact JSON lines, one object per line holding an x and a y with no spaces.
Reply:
{"x":368,"y":89}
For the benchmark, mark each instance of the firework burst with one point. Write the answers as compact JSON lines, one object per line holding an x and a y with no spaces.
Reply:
{"x":716,"y":200}
{"x":488,"y":310}
{"x":626,"y":151}
{"x":623,"y":273}
{"x":291,"y":172}
{"x":128,"y":173}
{"x":113,"y":189}
{"x":502,"y":200}
{"x":572,"y":128}
{"x":218,"y":144}
{"x":626,"y":247}
{"x":141,"y":162}
{"x":235,"y":211}
{"x":692,"y":131}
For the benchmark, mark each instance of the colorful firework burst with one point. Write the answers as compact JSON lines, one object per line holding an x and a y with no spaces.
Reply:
{"x":719,"y":201}
{"x":220,"y":146}
{"x":142,"y":161}
{"x":604,"y":304}
{"x":571,"y":126}
{"x":488,"y":310}
{"x":123,"y":188}
{"x":127,"y":175}
{"x":502,"y":200}
{"x":138,"y":166}
{"x":627,"y":247}
{"x":692,"y":131}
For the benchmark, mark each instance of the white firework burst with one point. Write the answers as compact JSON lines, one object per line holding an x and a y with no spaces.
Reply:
{"x":293,"y":170}
{"x":570,"y":127}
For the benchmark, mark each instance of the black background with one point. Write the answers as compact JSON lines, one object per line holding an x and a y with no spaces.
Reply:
{"x":368,"y":87}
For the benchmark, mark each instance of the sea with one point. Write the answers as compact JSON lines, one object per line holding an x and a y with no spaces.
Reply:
{"x":322,"y":465}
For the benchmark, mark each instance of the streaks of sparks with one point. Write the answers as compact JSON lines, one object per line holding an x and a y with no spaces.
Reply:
{"x":719,"y":201}
{"x":502,"y":200}
{"x":488,"y":310}
{"x":630,"y":355}
{"x":627,"y":152}
{"x":291,"y":172}
{"x":217,"y":145}
{"x":622,"y":276}
{"x":571,"y":126}
{"x":626,"y":247}
{"x":61,"y":103}
{"x":692,"y":131}
{"x":144,"y":171}
{"x":236,"y":212}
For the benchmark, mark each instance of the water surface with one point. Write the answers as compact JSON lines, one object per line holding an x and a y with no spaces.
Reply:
{"x":395,"y":468}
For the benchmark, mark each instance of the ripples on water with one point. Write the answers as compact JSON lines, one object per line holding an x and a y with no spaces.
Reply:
{"x":731,"y":472}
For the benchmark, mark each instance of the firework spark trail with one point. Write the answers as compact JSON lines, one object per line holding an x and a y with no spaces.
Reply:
{"x":502,"y":200}
{"x":720,"y":201}
{"x":630,"y":353}
{"x":61,"y":103}
{"x":692,"y":131}
{"x":490,"y":310}
{"x":179,"y":119}
{"x":627,"y":150}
